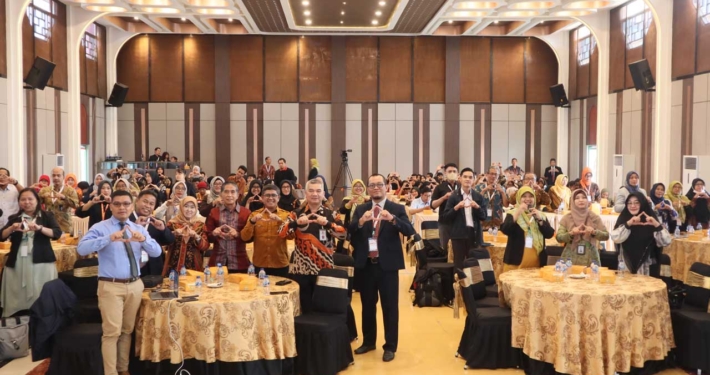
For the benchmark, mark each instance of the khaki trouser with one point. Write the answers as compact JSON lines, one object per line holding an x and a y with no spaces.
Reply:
{"x":119,"y":305}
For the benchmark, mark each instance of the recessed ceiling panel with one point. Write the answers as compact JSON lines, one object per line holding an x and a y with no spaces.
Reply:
{"x":352,"y":13}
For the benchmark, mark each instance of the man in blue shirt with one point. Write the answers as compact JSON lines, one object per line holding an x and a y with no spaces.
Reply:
{"x":119,"y":242}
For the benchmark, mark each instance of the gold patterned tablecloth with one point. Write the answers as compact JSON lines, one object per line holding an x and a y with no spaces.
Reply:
{"x":587,"y":328}
{"x":225,"y":324}
{"x":66,"y":256}
{"x":497,"y":251}
{"x":686,"y":251}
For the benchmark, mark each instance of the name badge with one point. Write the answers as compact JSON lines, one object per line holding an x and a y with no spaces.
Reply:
{"x":322,"y":235}
{"x":581,"y":249}
{"x":489,"y":212}
{"x":373,"y":244}
{"x":144,"y":257}
{"x":23,"y":250}
{"x":589,"y":198}
{"x":529,"y":242}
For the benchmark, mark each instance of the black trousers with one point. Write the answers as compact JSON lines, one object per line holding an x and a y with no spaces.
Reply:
{"x":375,"y":283}
{"x":306,"y":284}
{"x":462,"y":246}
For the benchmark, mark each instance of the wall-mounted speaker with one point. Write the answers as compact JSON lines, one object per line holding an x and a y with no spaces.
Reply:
{"x":559,"y":97}
{"x":39,"y":74}
{"x":642,"y":76}
{"x":118,"y":95}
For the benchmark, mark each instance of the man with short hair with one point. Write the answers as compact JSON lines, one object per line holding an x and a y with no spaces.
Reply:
{"x":375,"y":232}
{"x":422,"y":203}
{"x":463,"y":212}
{"x":9,"y":194}
{"x":223,"y":226}
{"x":60,"y":199}
{"x":155,"y":157}
{"x":242,"y":184}
{"x":552,"y":172}
{"x":142,"y":215}
{"x":119,"y":243}
{"x":267,"y":171}
{"x":270,"y":249}
{"x":494,"y":199}
{"x":541,"y":197}
{"x":514,"y":169}
{"x":438,"y":200}
{"x":284,"y":173}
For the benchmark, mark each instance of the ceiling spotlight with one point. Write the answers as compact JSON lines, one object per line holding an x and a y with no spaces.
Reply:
{"x":306,"y":3}
{"x":496,"y":22}
{"x":135,"y":18}
{"x":308,"y":22}
{"x":543,"y":21}
{"x":307,"y":13}
{"x":342,"y":13}
{"x":383,"y":3}
{"x":230,"y":20}
{"x":451,"y":21}
{"x":374,"y":22}
{"x":183,"y":19}
{"x":378,"y":13}
{"x":345,"y":2}
{"x":341,"y":22}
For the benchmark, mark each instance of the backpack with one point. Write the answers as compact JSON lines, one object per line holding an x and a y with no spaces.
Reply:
{"x":427,"y":289}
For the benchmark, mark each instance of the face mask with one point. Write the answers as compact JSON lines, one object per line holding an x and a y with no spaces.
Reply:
{"x":126,"y":176}
{"x":451,"y":176}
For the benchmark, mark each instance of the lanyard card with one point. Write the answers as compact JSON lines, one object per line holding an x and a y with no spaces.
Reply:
{"x":24,"y":249}
{"x":589,"y":198}
{"x":322,"y":235}
{"x":373,"y":244}
{"x":581,"y":249}
{"x":529,"y":241}
{"x":489,"y":212}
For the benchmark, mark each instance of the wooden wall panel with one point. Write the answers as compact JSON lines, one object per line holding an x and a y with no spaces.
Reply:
{"x":703,"y":48}
{"x":582,"y":81}
{"x":247,"y":68}
{"x":82,"y":69}
{"x":60,"y":76}
{"x":429,"y":70}
{"x":475,"y":70}
{"x":649,"y":46}
{"x":594,"y":71}
{"x":132,"y":68}
{"x":28,"y":46}
{"x":314,"y":69}
{"x":166,"y":68}
{"x":361,"y":57}
{"x":684,"y":23}
{"x":92,"y":76}
{"x":101,"y":40}
{"x":3,"y":40}
{"x":281,"y":69}
{"x":395,"y":69}
{"x":617,"y":50}
{"x":573,"y":63}
{"x":540,"y":71}
{"x":508,"y":70}
{"x":199,"y":68}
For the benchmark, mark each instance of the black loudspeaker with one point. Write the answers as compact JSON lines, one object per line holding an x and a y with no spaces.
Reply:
{"x":642,"y":76}
{"x":118,"y":95}
{"x":559,"y":97}
{"x":39,"y":75}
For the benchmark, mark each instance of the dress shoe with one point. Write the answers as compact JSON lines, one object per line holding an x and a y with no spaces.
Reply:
{"x":364,"y":349}
{"x":388,"y":356}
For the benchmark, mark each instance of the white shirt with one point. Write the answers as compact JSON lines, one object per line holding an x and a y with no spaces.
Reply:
{"x":8,"y":203}
{"x":467,"y":210}
{"x":418,"y":203}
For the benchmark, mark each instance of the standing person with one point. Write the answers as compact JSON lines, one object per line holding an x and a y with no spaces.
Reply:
{"x":542,"y":199}
{"x":288,"y":201}
{"x":680,"y":203}
{"x":662,"y":207}
{"x":347,"y":209}
{"x":156,"y":157}
{"x":190,"y":239}
{"x":552,"y":172}
{"x":157,"y":229}
{"x":581,"y":230}
{"x":180,"y":177}
{"x":60,"y":199}
{"x":632,"y":186}
{"x":640,"y":237}
{"x":9,"y":192}
{"x":270,"y":249}
{"x":119,"y":243}
{"x":253,"y":200}
{"x":514,"y":169}
{"x":240,"y":180}
{"x":314,"y":228}
{"x":266,"y":172}
{"x":223,"y":225}
{"x":315,"y":169}
{"x":170,"y":207}
{"x":375,"y":229}
{"x":438,"y":200}
{"x":72,"y":181}
{"x":94,"y":188}
{"x":494,"y":199}
{"x":284,"y":173}
{"x":590,"y":187}
{"x":464,"y":212}
{"x":31,"y":261}
{"x":98,"y":208}
{"x":699,"y":203}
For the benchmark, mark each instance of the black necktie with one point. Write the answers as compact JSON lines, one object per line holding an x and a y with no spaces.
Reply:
{"x":129,"y":252}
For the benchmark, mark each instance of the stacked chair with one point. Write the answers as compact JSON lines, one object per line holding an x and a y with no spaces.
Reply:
{"x":347,"y":264}
{"x":430,"y":237}
{"x":322,"y":336}
{"x":83,"y":282}
{"x":691,"y":323}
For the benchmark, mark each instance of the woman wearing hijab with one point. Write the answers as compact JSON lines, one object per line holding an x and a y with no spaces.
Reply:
{"x":94,"y":188}
{"x":314,"y":169}
{"x":212,"y":198}
{"x":632,"y":186}
{"x":252,"y":200}
{"x":99,"y":207}
{"x":590,"y":188}
{"x":663,"y":208}
{"x":287,"y":201}
{"x":526,"y":228}
{"x":681,"y":203}
{"x":123,"y":184}
{"x":43,"y":182}
{"x":560,"y":194}
{"x":190,"y":239}
{"x":581,"y":230}
{"x":72,"y":181}
{"x":604,"y":200}
{"x":348,"y":206}
{"x":699,"y":201}
{"x":640,"y":237}
{"x":171,"y":207}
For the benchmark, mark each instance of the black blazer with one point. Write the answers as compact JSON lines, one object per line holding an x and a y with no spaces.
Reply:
{"x":388,"y":243}
{"x":163,"y":238}
{"x":457,"y":219}
{"x":516,"y":240}
{"x":548,"y":175}
{"x":94,"y":213}
{"x":41,"y":248}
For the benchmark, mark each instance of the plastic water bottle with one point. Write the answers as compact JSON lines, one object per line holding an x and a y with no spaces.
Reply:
{"x":691,"y":230}
{"x":183,"y":271}
{"x":559,"y":273}
{"x":262,"y":276}
{"x":568,"y":266}
{"x":595,"y":271}
{"x":266,"y":283}
{"x":173,"y":280}
{"x":699,"y":227}
{"x":676,"y":234}
{"x":208,"y":275}
{"x":220,"y":274}
{"x":622,"y":268}
{"x":251,"y":271}
{"x":198,"y":285}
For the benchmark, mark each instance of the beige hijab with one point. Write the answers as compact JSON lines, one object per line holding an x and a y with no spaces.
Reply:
{"x":581,"y":216}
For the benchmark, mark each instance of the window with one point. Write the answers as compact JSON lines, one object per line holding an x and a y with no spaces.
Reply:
{"x":638,"y":19}
{"x":41,"y":18}
{"x":89,"y":42}
{"x":585,"y":45}
{"x":703,"y":10}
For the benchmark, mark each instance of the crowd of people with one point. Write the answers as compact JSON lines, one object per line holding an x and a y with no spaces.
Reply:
{"x":133,"y":214}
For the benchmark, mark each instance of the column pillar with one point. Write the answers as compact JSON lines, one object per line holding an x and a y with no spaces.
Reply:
{"x":115,"y":39}
{"x":559,"y":42}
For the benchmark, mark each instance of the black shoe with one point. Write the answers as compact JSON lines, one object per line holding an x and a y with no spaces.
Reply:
{"x":486,"y":244}
{"x":388,"y":356}
{"x":364,"y":349}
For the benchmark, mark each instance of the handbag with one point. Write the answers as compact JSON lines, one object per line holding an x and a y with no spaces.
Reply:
{"x":676,"y":295}
{"x":14,"y":337}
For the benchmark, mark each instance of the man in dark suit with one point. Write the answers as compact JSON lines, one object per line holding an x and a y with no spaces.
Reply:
{"x":145,"y":205}
{"x":375,"y":230}
{"x":552,"y":172}
{"x":464,"y":212}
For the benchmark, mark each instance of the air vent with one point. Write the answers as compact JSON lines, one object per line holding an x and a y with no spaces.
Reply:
{"x":691,"y":163}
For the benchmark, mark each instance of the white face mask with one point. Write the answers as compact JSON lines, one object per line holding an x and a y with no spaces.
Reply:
{"x":451,"y":176}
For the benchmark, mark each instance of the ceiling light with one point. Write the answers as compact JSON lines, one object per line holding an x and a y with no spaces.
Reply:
{"x":476,"y":5}
{"x":96,"y":2}
{"x":230,"y":20}
{"x":306,"y":3}
{"x":307,"y":13}
{"x":496,"y":22}
{"x":215,"y":11}
{"x":342,"y":13}
{"x":160,"y":10}
{"x":209,"y":3}
{"x":104,"y":8}
{"x":308,"y":22}
{"x":345,"y":2}
{"x":519,"y":13}
{"x":374,"y":22}
{"x":378,"y":13}
{"x":468,"y":13}
{"x":154,"y":3}
{"x":543,"y":21}
{"x":587,"y":4}
{"x":135,"y":18}
{"x":533,"y":5}
{"x":575,"y":13}
{"x":383,"y":3}
{"x":341,"y":22}
{"x":183,"y":19}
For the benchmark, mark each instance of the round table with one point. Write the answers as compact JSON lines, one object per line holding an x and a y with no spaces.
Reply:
{"x":686,"y":251}
{"x":66,"y":256}
{"x":586,"y":328}
{"x":225,"y":324}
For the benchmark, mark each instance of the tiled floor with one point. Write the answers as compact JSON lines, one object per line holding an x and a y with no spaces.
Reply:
{"x":428,"y":339}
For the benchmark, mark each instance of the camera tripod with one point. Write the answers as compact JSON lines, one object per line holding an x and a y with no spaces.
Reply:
{"x":345,"y":174}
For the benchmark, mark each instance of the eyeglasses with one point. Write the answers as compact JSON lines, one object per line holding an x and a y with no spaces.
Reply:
{"x":270,"y":195}
{"x":376,"y":186}
{"x":635,"y":203}
{"x":119,"y":204}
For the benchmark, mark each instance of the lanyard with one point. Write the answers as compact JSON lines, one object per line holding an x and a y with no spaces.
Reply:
{"x":104,"y":207}
{"x":376,"y":222}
